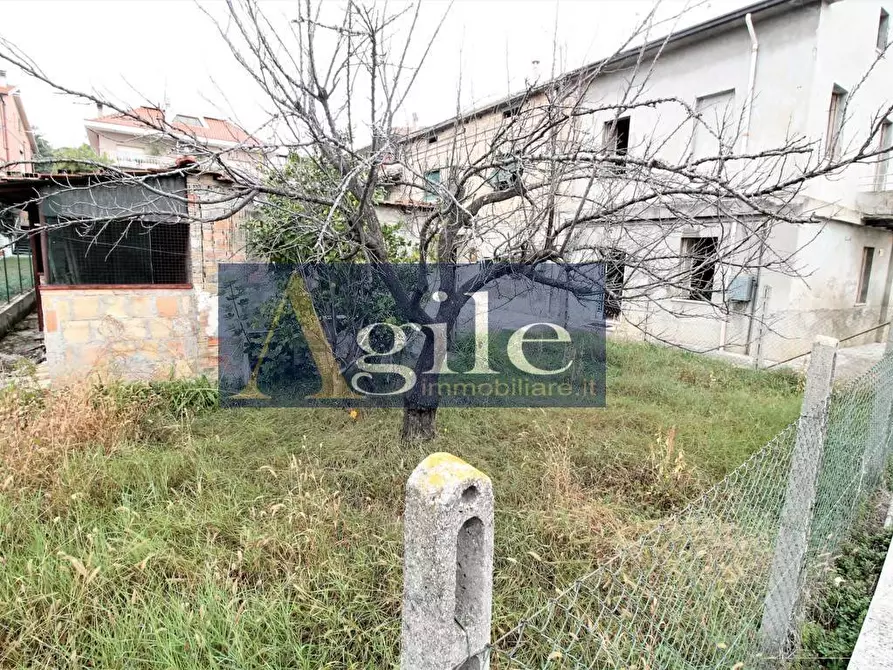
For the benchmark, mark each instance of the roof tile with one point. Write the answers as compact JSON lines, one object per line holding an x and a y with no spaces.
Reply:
{"x":215,"y":129}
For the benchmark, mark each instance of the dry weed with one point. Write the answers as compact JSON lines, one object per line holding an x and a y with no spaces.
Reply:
{"x":672,"y":479}
{"x":40,"y":429}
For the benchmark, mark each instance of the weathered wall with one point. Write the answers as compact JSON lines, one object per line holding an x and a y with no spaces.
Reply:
{"x":845,"y":50}
{"x":211,"y":243}
{"x":136,"y":333}
{"x":148,"y":332}
{"x":816,"y":294}
{"x":802,"y":55}
{"x":822,"y":300}
{"x":18,"y":145}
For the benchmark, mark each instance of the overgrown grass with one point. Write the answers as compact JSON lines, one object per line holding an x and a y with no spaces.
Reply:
{"x":272,"y":538}
{"x":839,"y":607}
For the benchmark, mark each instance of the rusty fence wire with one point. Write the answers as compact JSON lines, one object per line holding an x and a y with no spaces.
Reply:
{"x":707,"y":587}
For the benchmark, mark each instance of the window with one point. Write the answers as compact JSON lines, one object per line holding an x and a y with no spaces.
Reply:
{"x":507,"y":175}
{"x":615,"y":269}
{"x":433,"y":179}
{"x":432,"y":139}
{"x":699,"y":267}
{"x":716,"y":126}
{"x":123,"y":252}
{"x":865,"y":275}
{"x":883,"y":30}
{"x":833,"y":139}
{"x":883,"y":163}
{"x":511,"y":111}
{"x":616,"y":136}
{"x":189,"y":120}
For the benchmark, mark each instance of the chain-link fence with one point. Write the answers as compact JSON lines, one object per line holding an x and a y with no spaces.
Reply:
{"x":724,"y":583}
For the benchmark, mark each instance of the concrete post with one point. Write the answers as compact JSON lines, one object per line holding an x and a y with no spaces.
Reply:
{"x":447,"y":566}
{"x":788,"y":560}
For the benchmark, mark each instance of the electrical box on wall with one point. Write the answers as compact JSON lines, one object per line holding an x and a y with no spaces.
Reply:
{"x":741,"y":288}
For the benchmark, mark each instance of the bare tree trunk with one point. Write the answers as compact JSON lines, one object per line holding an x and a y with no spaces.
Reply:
{"x":419,"y":423}
{"x":420,"y":403}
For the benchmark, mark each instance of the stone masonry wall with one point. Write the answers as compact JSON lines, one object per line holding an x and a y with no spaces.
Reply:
{"x":149,"y":332}
{"x":139,"y":333}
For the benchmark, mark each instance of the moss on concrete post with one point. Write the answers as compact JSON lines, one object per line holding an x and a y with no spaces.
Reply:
{"x":447,"y":566}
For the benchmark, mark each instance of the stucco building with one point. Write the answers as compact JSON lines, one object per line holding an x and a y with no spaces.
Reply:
{"x":150,"y":137}
{"x":17,"y":141}
{"x":777,"y":69}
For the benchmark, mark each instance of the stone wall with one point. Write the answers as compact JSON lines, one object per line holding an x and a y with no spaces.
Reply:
{"x":137,"y":333}
{"x":148,"y":332}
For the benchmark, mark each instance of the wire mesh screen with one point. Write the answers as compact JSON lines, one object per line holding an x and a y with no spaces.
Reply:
{"x":122,"y":252}
{"x":702,"y":589}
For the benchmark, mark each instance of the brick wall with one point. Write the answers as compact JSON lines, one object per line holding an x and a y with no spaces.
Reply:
{"x":211,"y":243}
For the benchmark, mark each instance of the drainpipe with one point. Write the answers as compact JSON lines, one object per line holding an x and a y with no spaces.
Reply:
{"x":748,"y":108}
{"x":751,"y":80}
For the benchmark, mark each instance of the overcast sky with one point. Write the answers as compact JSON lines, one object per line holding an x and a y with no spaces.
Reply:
{"x":138,"y":50}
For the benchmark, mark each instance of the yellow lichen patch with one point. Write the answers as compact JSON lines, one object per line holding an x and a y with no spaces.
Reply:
{"x":443,"y":469}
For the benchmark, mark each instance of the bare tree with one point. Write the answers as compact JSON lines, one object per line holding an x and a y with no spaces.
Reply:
{"x":549,"y":175}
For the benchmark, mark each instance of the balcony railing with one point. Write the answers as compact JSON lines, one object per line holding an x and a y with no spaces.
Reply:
{"x":875,"y":196}
{"x":879,"y":180}
{"x":125,"y":160}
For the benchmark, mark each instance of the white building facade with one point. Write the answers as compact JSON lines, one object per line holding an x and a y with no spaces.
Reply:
{"x":778,"y":71}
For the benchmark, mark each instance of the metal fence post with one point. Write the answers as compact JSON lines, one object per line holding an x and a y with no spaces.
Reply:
{"x":5,"y":277}
{"x":786,"y":573}
{"x":761,"y":331}
{"x":447,"y":566}
{"x":19,"y":268}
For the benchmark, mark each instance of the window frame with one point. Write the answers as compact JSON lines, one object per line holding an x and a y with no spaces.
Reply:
{"x":512,"y":167}
{"x":611,"y":135}
{"x":835,"y":121}
{"x":510,"y":112}
{"x":178,"y":118}
{"x":133,"y":246}
{"x":614,"y":260}
{"x":885,"y":143}
{"x":435,"y":196}
{"x":702,"y":106}
{"x":690,"y":266}
{"x":865,"y":269}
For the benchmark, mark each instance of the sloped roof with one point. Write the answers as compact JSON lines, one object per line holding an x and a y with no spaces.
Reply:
{"x":676,"y":39}
{"x":221,"y":130}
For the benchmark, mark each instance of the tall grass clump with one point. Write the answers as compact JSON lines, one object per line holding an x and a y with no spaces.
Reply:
{"x":40,"y":429}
